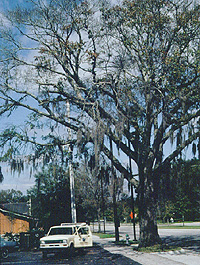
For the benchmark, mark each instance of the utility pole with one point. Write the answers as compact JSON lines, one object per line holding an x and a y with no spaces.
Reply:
{"x":132,"y":202}
{"x":132,"y":192}
{"x":116,"y":218}
{"x":29,"y":206}
{"x":71,"y":172}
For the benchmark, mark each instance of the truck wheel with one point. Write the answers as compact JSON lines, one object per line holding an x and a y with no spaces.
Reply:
{"x":71,"y":249}
{"x":44,"y":254}
{"x":4,"y":253}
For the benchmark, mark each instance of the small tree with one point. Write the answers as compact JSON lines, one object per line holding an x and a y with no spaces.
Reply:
{"x":50,"y":197}
{"x":182,"y":206}
{"x":12,"y":196}
{"x":185,"y":187}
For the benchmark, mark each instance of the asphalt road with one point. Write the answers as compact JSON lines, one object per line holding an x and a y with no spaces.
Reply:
{"x":189,"y":238}
{"x":93,"y":256}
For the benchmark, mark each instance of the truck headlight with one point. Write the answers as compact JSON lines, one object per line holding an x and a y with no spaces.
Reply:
{"x":42,"y":242}
{"x":64,"y":241}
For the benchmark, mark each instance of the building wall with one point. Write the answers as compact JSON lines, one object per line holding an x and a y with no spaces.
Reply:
{"x":12,"y":225}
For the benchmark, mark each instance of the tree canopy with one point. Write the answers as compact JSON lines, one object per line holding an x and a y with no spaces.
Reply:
{"x":129,"y":72}
{"x":12,"y":196}
{"x":50,"y":196}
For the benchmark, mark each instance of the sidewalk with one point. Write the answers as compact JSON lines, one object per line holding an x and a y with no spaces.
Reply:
{"x":181,"y":257}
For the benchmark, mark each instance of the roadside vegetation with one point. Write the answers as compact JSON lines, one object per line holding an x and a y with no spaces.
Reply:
{"x":159,"y":248}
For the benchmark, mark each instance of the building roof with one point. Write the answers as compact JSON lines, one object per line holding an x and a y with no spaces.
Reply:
{"x":16,"y":215}
{"x":19,"y":207}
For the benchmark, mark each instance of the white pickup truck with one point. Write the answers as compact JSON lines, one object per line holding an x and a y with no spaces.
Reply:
{"x":68,"y":237}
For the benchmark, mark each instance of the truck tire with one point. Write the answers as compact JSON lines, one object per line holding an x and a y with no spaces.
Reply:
{"x":44,"y":254}
{"x":71,"y":249}
{"x":4,"y":253}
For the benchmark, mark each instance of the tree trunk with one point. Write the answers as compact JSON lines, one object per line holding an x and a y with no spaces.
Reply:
{"x":147,"y":212}
{"x":116,"y":218}
{"x":99,"y":220}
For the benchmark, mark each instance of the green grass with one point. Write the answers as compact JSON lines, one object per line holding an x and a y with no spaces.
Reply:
{"x":178,"y":227}
{"x":155,"y":248}
{"x":102,"y":235}
{"x":159,"y":248}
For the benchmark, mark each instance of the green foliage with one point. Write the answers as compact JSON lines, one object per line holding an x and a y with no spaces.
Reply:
{"x":123,"y":209}
{"x":12,"y":196}
{"x":159,"y":248}
{"x":187,"y":183}
{"x":51,"y":200}
{"x":102,"y":235}
{"x":92,"y":195}
{"x":180,"y":193}
{"x":182,"y":206}
{"x":50,"y":197}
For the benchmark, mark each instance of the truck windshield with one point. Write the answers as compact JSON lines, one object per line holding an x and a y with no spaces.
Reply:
{"x":61,"y":231}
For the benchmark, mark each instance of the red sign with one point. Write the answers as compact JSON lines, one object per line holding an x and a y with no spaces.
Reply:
{"x":131,"y":215}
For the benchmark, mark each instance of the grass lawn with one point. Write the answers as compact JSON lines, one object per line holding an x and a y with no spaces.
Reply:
{"x":103,"y":235}
{"x":178,"y":226}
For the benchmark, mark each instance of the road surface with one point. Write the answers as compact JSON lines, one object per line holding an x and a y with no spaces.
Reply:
{"x":93,"y":256}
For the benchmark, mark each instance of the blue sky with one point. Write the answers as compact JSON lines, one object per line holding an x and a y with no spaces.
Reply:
{"x":6,"y":4}
{"x":21,"y":182}
{"x":14,"y":180}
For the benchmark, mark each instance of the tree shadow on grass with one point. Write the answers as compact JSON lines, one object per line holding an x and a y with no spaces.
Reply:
{"x":187,"y":242}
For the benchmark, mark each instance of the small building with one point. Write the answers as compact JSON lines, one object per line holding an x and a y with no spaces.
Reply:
{"x":13,"y":222}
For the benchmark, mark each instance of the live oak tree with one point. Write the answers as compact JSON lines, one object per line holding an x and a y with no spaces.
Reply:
{"x":158,"y":68}
{"x":130,"y":73}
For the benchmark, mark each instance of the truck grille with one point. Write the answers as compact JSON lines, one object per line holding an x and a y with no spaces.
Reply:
{"x":53,"y":241}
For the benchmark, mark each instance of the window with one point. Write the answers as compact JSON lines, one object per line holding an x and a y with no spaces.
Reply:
{"x":61,"y":231}
{"x":83,"y":231}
